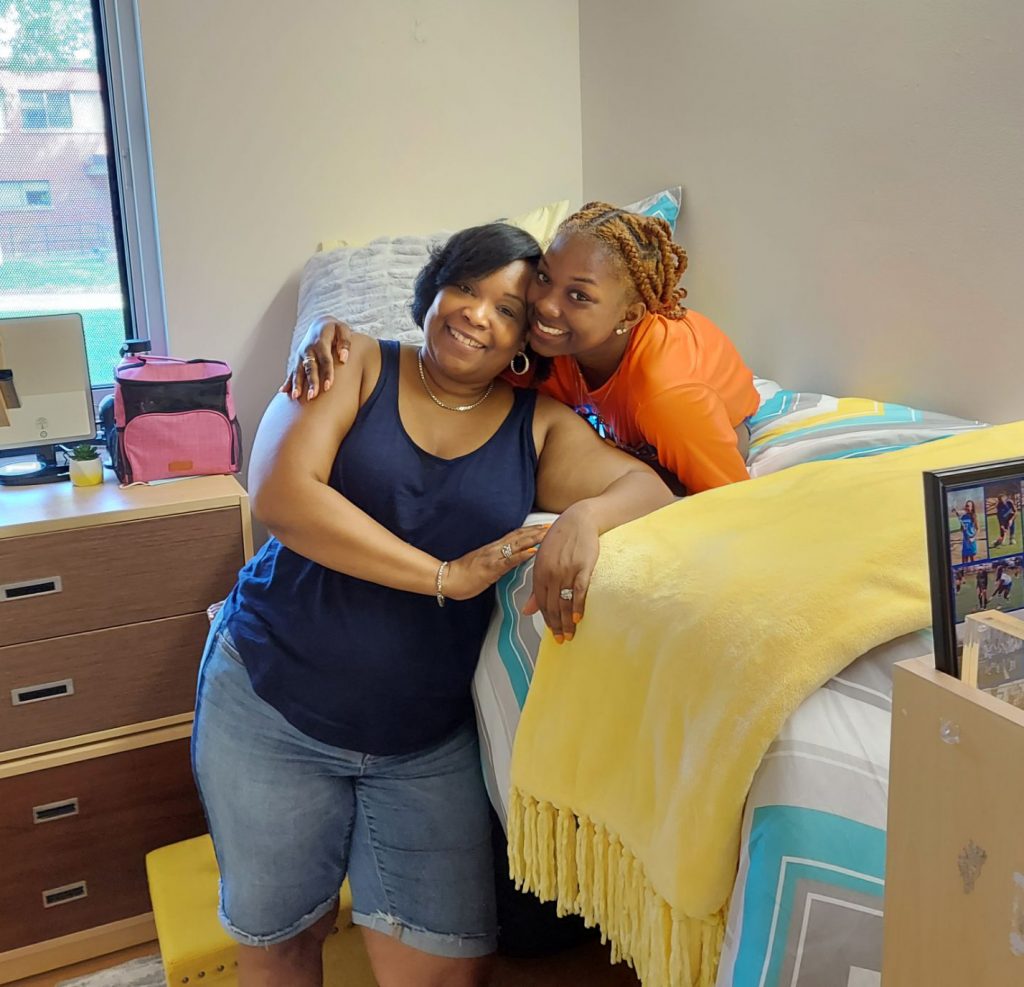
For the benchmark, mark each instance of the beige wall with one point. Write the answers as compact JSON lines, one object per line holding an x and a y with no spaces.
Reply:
{"x":853,"y":177}
{"x":277,"y":126}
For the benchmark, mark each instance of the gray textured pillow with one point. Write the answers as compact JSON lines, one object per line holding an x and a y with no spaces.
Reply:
{"x":369,"y":287}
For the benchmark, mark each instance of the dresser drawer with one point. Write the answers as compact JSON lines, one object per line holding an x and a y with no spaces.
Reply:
{"x":84,"y":579}
{"x":83,"y":683}
{"x":83,"y":863}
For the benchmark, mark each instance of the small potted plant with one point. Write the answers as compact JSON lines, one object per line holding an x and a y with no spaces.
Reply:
{"x":85,"y":466}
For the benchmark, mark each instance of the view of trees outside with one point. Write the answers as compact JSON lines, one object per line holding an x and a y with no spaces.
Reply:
{"x":57,"y":247}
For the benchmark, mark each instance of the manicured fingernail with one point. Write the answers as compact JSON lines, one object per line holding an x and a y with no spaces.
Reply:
{"x":559,"y":638}
{"x":295,"y":393}
{"x":327,"y":385}
{"x":344,"y":356}
{"x":577,"y":617}
{"x":310,"y":392}
{"x":531,"y":551}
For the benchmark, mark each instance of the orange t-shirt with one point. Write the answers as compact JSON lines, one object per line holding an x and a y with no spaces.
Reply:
{"x":676,"y":398}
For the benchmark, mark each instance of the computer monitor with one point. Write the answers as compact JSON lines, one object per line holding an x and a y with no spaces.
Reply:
{"x":45,"y":394}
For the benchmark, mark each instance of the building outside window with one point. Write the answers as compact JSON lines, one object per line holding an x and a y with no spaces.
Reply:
{"x":77,"y":223}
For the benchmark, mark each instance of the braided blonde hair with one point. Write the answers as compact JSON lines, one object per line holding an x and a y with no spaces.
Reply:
{"x":645,"y":247}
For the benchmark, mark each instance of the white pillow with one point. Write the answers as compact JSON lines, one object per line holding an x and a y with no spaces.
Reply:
{"x":369,"y":287}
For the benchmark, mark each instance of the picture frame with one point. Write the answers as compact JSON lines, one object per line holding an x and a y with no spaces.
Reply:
{"x":974,"y":517}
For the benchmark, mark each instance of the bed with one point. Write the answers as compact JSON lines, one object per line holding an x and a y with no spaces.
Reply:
{"x":806,"y":906}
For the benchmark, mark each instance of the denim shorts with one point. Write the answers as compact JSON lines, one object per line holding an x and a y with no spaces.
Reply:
{"x":291,"y":817}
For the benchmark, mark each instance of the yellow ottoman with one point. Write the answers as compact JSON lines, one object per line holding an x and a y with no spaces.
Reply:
{"x":194,"y":946}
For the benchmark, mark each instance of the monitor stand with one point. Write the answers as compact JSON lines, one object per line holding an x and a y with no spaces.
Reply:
{"x":27,"y":472}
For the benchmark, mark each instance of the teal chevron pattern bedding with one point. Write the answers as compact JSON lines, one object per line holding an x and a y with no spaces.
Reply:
{"x":793,"y":427}
{"x":806,"y":906}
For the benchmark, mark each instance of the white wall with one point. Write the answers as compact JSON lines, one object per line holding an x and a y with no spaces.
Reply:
{"x":853,"y":177}
{"x":277,"y":126}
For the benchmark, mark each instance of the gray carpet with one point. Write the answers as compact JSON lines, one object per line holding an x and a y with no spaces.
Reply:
{"x":147,"y":971}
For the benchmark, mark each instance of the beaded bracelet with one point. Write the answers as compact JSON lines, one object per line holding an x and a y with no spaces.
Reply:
{"x":441,"y":571}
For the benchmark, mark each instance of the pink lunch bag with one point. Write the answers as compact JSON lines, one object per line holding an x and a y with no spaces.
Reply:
{"x":173,"y":418}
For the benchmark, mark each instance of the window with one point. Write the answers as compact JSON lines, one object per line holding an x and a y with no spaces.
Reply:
{"x":37,"y":195}
{"x":24,"y":195}
{"x":41,"y":110}
{"x":77,"y":220}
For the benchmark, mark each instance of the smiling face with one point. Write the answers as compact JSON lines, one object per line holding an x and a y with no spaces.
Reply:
{"x":580,"y":294}
{"x":475,"y":327}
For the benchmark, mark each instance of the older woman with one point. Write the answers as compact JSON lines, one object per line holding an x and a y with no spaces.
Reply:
{"x":334,"y":730}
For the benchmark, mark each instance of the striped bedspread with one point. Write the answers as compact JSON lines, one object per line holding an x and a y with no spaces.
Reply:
{"x":806,"y":906}
{"x":793,"y":427}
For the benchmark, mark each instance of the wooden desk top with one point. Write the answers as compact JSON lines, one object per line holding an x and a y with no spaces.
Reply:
{"x":59,"y":506}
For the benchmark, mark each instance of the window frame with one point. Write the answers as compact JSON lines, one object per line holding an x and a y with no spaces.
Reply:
{"x":119,"y":51}
{"x":130,"y":172}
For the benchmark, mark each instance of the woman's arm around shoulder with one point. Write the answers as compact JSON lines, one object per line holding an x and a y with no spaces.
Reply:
{"x":327,"y":343}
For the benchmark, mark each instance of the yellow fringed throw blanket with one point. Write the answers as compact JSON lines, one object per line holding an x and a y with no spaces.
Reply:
{"x":707,"y":624}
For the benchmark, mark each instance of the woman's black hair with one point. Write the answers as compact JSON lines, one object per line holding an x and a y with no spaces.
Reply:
{"x":467,"y":255}
{"x":542,"y":366}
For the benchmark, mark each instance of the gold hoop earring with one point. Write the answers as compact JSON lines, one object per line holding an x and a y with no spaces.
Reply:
{"x":526,"y":362}
{"x":622,"y":329}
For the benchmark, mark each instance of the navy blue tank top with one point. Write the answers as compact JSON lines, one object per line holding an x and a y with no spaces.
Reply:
{"x":358,"y":665}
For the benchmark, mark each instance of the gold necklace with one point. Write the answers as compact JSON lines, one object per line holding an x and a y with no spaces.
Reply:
{"x":439,"y":402}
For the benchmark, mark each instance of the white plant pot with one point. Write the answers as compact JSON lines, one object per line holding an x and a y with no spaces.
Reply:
{"x":86,"y":472}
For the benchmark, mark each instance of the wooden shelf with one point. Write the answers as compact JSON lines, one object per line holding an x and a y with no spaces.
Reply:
{"x":58,"y":506}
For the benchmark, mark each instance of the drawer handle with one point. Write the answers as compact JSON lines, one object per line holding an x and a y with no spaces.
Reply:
{"x":54,"y":810}
{"x":32,"y":587}
{"x":64,"y":894}
{"x":44,"y":690}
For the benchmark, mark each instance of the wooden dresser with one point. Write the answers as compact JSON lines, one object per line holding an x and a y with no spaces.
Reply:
{"x":954,"y":883}
{"x":103,"y":596}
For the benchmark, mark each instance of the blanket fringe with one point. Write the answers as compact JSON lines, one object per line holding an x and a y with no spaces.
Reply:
{"x":582,"y":866}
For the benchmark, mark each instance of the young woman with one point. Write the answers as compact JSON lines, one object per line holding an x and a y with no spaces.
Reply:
{"x":1006,"y":514}
{"x":616,"y":343}
{"x":981,"y":584}
{"x":334,"y":729}
{"x":1004,"y":583}
{"x":968,"y":519}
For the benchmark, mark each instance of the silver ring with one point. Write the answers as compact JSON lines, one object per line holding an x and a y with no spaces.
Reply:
{"x":506,"y":550}
{"x":306,"y":364}
{"x":565,"y":594}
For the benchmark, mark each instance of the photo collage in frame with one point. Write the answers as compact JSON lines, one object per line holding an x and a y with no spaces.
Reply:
{"x":976,"y":548}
